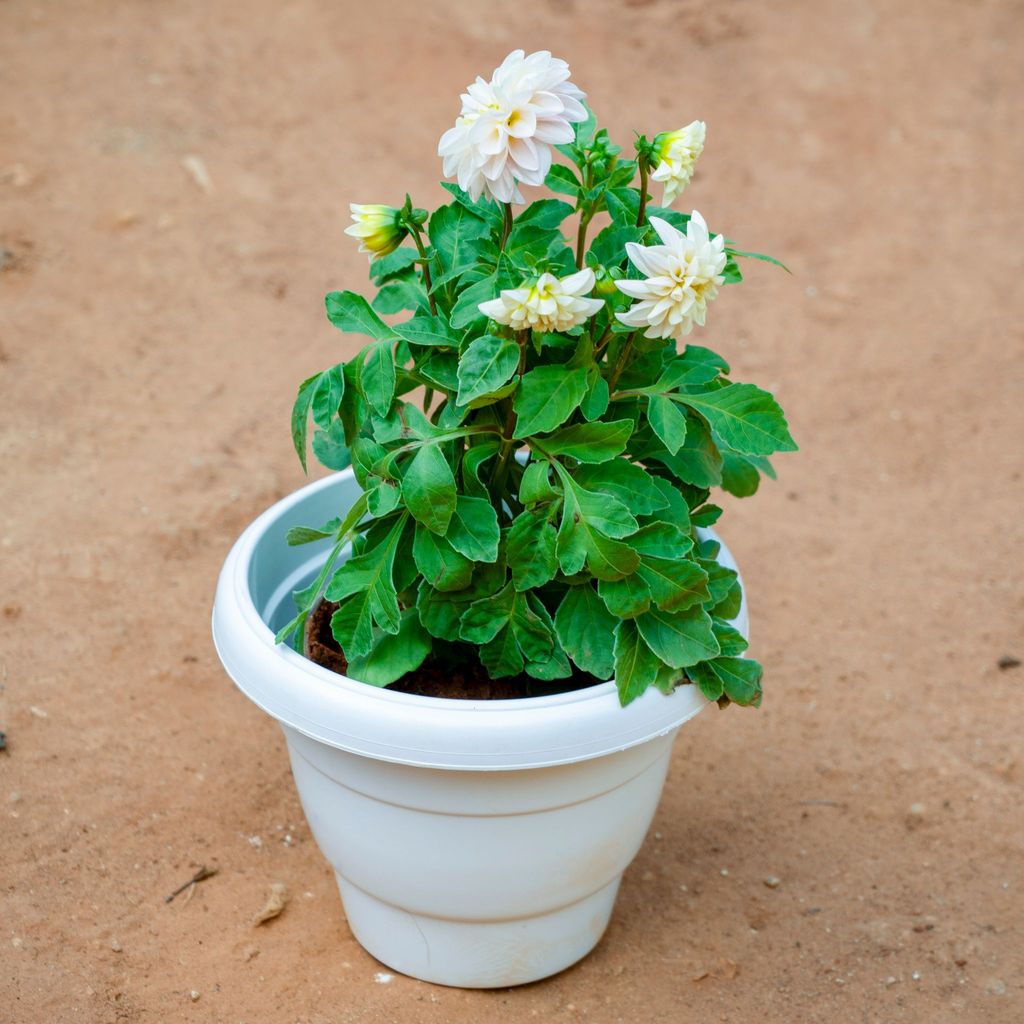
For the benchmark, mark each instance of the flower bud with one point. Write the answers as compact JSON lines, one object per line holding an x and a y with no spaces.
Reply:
{"x":674,"y":155}
{"x":380,"y":229}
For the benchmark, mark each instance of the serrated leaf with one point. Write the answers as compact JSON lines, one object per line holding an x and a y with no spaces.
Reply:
{"x":562,"y":180}
{"x":584,"y":537}
{"x":403,"y":292}
{"x":698,"y":462}
{"x":486,"y":365}
{"x":428,"y":331}
{"x":731,"y":641}
{"x":482,"y":207}
{"x":746,"y":418}
{"x":330,"y":448}
{"x":680,"y":638}
{"x":365,"y":590}
{"x":609,"y":245}
{"x":394,"y":263}
{"x":741,"y":679}
{"x":530,"y":549}
{"x":595,"y":401}
{"x":626,"y":598}
{"x":629,"y":483}
{"x":590,"y":442}
{"x":667,"y":422}
{"x":636,"y":665}
{"x":443,"y":567}
{"x":377,"y":377}
{"x":466,"y":313}
{"x":327,"y":396}
{"x":536,"y":483}
{"x":547,"y":397}
{"x":739,"y":476}
{"x":428,"y":488}
{"x":300,"y":416}
{"x":393,"y":656}
{"x":586,"y":630}
{"x":454,"y":232}
{"x":545,"y":213}
{"x":351,"y":312}
{"x":473,"y":530}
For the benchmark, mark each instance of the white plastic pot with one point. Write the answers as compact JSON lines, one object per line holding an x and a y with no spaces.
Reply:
{"x":476,"y":844}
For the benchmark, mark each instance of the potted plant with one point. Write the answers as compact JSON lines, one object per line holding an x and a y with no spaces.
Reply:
{"x":482,"y":634}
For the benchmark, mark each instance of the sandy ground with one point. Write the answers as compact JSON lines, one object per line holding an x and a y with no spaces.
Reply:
{"x":154,"y":323}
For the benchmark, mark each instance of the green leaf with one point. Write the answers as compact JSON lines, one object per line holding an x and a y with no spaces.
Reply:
{"x":626,"y":598}
{"x":327,"y":396}
{"x":393,"y":656}
{"x":595,"y":402}
{"x":536,"y":483}
{"x":472,"y":462}
{"x":698,"y":462}
{"x":365,"y":588}
{"x":590,"y":442}
{"x":679,"y":638}
{"x":377,"y":377}
{"x":441,"y":565}
{"x":636,"y":666}
{"x":483,"y":207}
{"x":589,"y":520}
{"x":545,"y":213}
{"x":730,"y":640}
{"x":455,"y":232}
{"x":699,"y":354}
{"x":394,"y":263}
{"x":667,"y":422}
{"x":623,"y":205}
{"x":547,"y":397}
{"x":746,"y":418}
{"x":739,"y":476}
{"x":757,"y":256}
{"x":486,"y":365}
{"x":509,"y":630}
{"x":706,"y":515}
{"x":429,"y":489}
{"x":738,"y":679}
{"x":429,"y":331}
{"x":330,"y":448}
{"x":675,"y":584}
{"x":473,"y":530}
{"x":530,"y":549}
{"x":385,"y":497}
{"x":629,"y":483}
{"x":307,"y":534}
{"x":604,"y":513}
{"x":351,"y":312}
{"x":585,"y":629}
{"x":466,"y":313}
{"x":562,"y":180}
{"x":403,"y":292}
{"x":300,"y":416}
{"x":609,"y":246}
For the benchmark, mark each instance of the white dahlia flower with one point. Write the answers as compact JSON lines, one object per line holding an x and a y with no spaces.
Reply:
{"x":682,"y":276}
{"x":378,"y":228}
{"x":676,"y":153}
{"x":508,"y":125}
{"x":549,"y":304}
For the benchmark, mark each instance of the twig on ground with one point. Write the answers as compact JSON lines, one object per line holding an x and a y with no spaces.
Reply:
{"x":200,"y":876}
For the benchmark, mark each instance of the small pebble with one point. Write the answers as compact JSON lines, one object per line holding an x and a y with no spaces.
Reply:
{"x":917,"y":809}
{"x":383,"y":978}
{"x":193,"y":995}
{"x":916,"y":976}
{"x":890,"y":981}
{"x":647,"y":876}
{"x":1008,"y":661}
{"x":116,"y":946}
{"x":38,"y":712}
{"x":996,"y":987}
{"x":724,"y":872}
{"x":250,"y":953}
{"x":772,"y":882}
{"x":255,"y":841}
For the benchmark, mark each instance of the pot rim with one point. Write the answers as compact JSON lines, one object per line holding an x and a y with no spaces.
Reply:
{"x":438,"y":732}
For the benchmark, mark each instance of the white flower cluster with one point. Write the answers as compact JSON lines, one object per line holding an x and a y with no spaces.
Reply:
{"x":549,"y":304}
{"x":681,"y":276}
{"x":508,"y":126}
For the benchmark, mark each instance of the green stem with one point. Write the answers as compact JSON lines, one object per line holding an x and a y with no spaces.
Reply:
{"x":620,"y":363}
{"x":508,"y":442}
{"x":425,"y":265}
{"x":506,"y":227}
{"x":642,"y":212}
{"x":581,"y":238}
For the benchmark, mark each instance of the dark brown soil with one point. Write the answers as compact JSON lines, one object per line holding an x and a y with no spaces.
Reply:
{"x":455,"y":673}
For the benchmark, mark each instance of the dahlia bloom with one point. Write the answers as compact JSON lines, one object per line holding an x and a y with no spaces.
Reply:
{"x":549,"y":304}
{"x":378,"y":228}
{"x":508,"y":125}
{"x":683,"y":275}
{"x":676,"y":153}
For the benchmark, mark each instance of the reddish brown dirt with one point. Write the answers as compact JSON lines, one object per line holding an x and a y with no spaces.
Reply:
{"x":151,"y":333}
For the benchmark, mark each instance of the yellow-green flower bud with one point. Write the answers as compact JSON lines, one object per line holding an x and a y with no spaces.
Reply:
{"x":379,"y":228}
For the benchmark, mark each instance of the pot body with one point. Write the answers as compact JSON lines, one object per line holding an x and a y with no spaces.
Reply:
{"x":477,"y":844}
